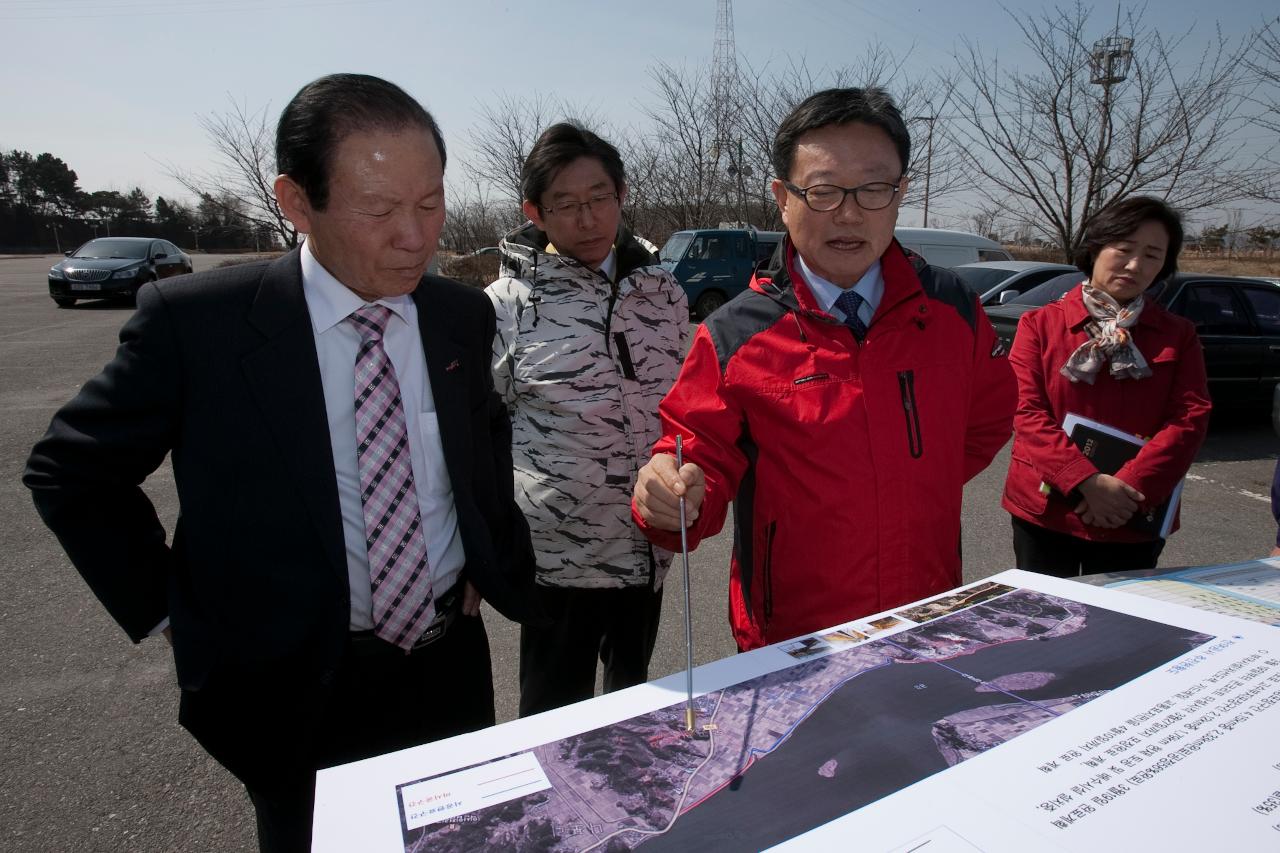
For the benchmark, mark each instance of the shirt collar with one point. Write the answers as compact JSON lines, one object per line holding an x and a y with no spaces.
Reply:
{"x":330,"y":302}
{"x":609,"y":266}
{"x":870,"y":287}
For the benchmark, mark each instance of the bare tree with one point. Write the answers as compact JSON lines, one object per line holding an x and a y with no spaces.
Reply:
{"x":244,"y":142}
{"x":681,"y":185}
{"x":505,"y":133}
{"x":768,"y":94}
{"x":984,"y":219}
{"x":1052,"y":147}
{"x":1263,"y":60}
{"x":475,"y":221}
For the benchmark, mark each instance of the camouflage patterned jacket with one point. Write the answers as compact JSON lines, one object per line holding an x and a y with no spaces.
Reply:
{"x":582,"y":364}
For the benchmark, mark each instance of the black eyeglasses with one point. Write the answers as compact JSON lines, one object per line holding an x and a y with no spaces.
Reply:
{"x":597,"y":203}
{"x":823,"y":198}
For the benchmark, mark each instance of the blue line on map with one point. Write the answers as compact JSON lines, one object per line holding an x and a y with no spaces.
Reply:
{"x":964,"y":674}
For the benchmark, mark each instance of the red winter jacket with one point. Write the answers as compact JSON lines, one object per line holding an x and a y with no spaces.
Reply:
{"x":1171,"y":406}
{"x":845,"y":462}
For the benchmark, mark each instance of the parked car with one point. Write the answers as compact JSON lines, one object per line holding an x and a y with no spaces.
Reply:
{"x":945,"y":248}
{"x":114,"y":267}
{"x":997,"y":282}
{"x":1238,"y":320}
{"x":713,"y":265}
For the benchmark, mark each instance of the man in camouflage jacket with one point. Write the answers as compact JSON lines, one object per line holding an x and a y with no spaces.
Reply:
{"x":590,"y":337}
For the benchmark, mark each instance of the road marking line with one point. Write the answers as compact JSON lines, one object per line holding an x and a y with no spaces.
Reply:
{"x":1242,"y":492}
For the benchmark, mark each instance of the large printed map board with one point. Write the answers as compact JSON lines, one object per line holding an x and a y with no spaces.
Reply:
{"x":1021,"y":712}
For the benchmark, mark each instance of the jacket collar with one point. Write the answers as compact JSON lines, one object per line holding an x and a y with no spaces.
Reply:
{"x":525,"y":249}
{"x":785,"y":285}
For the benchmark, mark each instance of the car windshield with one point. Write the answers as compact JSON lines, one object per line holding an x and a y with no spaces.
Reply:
{"x":112,"y":249}
{"x":1043,"y":294}
{"x":981,"y":279}
{"x":674,"y":249}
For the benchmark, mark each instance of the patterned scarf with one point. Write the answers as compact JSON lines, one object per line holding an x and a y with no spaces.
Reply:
{"x":1109,"y":340}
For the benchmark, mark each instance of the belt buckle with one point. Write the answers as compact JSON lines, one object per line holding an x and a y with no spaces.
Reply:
{"x":434,"y":631}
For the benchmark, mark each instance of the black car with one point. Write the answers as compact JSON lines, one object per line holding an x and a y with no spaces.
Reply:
{"x":1238,"y":320}
{"x":114,"y":267}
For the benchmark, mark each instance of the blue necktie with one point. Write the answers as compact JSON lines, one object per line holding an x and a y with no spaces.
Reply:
{"x":849,"y":302}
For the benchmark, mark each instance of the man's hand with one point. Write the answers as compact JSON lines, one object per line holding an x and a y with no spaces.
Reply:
{"x":470,"y":600}
{"x":659,"y":487}
{"x":1109,"y":502}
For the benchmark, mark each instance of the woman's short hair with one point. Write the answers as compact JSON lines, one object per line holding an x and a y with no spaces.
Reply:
{"x":1117,"y":221}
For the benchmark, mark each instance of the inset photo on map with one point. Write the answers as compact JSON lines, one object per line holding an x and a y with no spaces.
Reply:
{"x":955,"y":601}
{"x":806,"y":647}
{"x":884,"y":623}
{"x":842,"y":637}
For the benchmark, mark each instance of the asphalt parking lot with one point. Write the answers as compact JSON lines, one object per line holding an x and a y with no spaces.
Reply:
{"x":94,"y":758}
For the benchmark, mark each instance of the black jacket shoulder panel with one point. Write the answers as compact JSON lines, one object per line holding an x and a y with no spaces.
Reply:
{"x":740,"y":319}
{"x":942,"y":285}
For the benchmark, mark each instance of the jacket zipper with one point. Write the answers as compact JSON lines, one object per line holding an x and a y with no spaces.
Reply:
{"x":907,"y":385}
{"x":766,"y":572}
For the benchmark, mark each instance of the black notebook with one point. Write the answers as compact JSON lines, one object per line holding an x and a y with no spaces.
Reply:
{"x":1108,"y":449}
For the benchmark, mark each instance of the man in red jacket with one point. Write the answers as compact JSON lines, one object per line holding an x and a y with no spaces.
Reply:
{"x":841,"y":403}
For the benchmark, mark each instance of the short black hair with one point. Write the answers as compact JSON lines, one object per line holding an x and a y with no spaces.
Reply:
{"x":557,"y":147}
{"x":326,"y":111}
{"x":871,"y":105}
{"x":1117,"y":221}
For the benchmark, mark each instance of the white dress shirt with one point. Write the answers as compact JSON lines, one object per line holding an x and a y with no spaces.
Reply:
{"x":337,"y":344}
{"x":870,"y":287}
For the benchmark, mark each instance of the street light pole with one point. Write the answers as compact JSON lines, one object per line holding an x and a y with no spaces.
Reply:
{"x":1110,"y":60}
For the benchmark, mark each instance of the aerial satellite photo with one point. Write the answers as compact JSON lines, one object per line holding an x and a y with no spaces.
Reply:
{"x":780,"y":754}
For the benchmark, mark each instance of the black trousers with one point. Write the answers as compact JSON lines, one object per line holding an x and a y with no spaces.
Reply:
{"x":1038,"y":549}
{"x":558,"y":662}
{"x":377,"y":701}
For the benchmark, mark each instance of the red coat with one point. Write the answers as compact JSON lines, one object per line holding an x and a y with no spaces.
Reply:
{"x":1171,"y":406}
{"x":846,"y":462}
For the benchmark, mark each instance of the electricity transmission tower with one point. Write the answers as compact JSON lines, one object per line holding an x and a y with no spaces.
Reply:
{"x":724,"y":74}
{"x":724,"y":90}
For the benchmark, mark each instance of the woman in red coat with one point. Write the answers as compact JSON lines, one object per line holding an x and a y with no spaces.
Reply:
{"x":1105,"y":353}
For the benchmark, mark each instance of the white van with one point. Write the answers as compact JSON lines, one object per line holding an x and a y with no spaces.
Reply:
{"x":943,"y":248}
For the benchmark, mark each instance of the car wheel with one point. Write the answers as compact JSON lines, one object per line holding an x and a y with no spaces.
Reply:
{"x":64,"y":301}
{"x":708,"y":302}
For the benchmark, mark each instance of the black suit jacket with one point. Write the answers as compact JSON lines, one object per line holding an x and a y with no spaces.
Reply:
{"x":220,"y":369}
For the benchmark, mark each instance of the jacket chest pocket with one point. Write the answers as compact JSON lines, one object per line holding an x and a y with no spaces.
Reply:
{"x":926,"y":404}
{"x":911,"y":412}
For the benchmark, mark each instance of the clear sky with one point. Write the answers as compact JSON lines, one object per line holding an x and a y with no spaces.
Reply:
{"x":116,"y":87}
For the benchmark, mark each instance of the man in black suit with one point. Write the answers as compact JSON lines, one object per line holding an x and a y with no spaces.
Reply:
{"x":342,"y":463}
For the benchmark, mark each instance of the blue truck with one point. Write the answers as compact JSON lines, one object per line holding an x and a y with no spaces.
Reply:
{"x":715,"y":264}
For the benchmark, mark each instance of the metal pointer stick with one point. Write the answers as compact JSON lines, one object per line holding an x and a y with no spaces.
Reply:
{"x":688,"y":612}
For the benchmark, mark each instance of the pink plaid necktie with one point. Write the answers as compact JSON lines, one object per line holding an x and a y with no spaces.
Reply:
{"x":398,"y":570}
